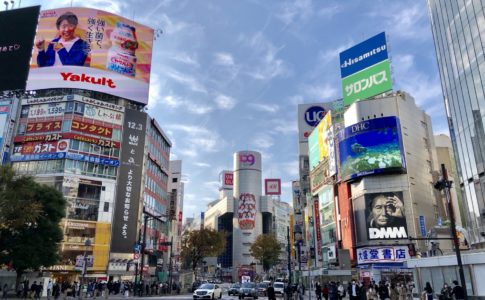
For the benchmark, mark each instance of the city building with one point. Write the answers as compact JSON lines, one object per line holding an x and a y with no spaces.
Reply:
{"x":459,"y":36}
{"x":176,"y":188}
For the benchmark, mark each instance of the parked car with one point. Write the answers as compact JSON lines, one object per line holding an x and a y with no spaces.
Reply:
{"x":248,"y":289}
{"x":208,"y":291}
{"x":279,"y":289}
{"x":262,"y":287}
{"x":234,"y":289}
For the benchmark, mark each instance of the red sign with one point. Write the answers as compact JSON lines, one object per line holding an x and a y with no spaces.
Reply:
{"x":272,"y":186}
{"x":316,"y":213}
{"x":42,"y":147}
{"x":44,"y":126}
{"x":67,"y":135}
{"x":228,"y":178}
{"x":91,"y":128}
{"x":180,"y":216}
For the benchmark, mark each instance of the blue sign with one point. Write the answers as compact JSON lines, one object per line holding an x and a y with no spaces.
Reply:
{"x":422,"y":226}
{"x":93,"y":159}
{"x":42,"y":156}
{"x":363,"y":55}
{"x":313,"y":115}
{"x":370,"y":147}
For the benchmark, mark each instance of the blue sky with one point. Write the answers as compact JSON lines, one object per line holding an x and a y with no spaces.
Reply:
{"x":228,"y":75}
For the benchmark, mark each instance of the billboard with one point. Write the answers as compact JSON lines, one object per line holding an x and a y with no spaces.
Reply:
{"x":91,"y":49}
{"x":384,"y":254}
{"x":309,"y":115}
{"x":321,"y":145}
{"x":246,"y":211}
{"x":372,"y":81}
{"x":363,"y":55}
{"x":371,"y":147}
{"x":272,"y":186}
{"x":385,"y":216}
{"x":125,"y":219}
{"x":17,"y":31}
{"x":226,"y":179}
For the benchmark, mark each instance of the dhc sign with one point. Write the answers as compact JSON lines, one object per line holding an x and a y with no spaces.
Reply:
{"x":313,"y":115}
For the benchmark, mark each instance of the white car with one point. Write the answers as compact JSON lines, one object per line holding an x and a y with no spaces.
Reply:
{"x":208,"y":291}
{"x":279,"y":288}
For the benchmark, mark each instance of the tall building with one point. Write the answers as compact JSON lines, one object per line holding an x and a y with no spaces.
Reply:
{"x":176,"y":189}
{"x":459,"y":35}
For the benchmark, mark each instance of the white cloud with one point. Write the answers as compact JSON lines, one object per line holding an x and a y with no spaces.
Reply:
{"x":225,"y":102}
{"x":185,"y":79}
{"x":202,"y":164}
{"x":262,"y":141}
{"x":197,"y":140}
{"x":224,"y":59}
{"x":171,"y":27}
{"x":301,"y":11}
{"x":154,"y":98}
{"x":174,"y":101}
{"x":271,"y":108}
{"x":285,"y":126}
{"x":291,"y":168}
{"x":319,"y":92}
{"x":184,"y":58}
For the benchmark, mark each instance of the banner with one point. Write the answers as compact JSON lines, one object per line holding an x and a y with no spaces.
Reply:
{"x":91,"y":128}
{"x":272,"y":186}
{"x":48,"y":126}
{"x":384,"y":254}
{"x":67,"y":135}
{"x":17,"y":31}
{"x":128,"y":193}
{"x":94,"y":50}
{"x":41,"y":147}
{"x":46,"y":110}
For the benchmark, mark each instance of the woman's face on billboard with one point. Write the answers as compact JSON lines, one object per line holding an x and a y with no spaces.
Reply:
{"x":66,"y":30}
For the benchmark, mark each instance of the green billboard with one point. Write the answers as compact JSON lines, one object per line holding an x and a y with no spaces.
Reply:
{"x":369,"y":82}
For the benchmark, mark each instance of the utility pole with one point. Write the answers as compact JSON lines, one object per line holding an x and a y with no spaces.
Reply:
{"x":289,"y":253}
{"x":445,"y":184}
{"x":170,"y":266}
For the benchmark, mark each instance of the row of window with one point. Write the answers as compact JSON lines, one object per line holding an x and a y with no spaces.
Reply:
{"x":64,"y":165}
{"x":94,"y":149}
{"x":158,"y":138}
{"x":154,"y":151}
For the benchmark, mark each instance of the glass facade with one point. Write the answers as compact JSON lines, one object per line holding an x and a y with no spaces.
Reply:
{"x":459,"y":34}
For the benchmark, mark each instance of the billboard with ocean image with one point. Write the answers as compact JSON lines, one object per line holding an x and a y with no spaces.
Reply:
{"x":371,"y":147}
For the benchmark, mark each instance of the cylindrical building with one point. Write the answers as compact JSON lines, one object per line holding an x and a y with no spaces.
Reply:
{"x":247,"y":220}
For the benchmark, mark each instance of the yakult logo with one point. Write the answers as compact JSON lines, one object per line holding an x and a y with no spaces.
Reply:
{"x":88,"y":79}
{"x":247,"y":159}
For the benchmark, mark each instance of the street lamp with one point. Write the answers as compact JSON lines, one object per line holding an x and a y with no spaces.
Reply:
{"x":87,"y":244}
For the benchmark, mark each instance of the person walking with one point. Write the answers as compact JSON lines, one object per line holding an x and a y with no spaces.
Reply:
{"x":371,"y":292}
{"x":428,"y":292}
{"x":402,"y":291}
{"x":458,"y":291}
{"x":340,"y":291}
{"x":353,"y":290}
{"x":393,"y":292}
{"x":318,"y":291}
{"x":326,"y":291}
{"x":49,"y":290}
{"x":56,"y":291}
{"x":445,"y":293}
{"x":270,"y":292}
{"x":383,"y":291}
{"x":332,"y":291}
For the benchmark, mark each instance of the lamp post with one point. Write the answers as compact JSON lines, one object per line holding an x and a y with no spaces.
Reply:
{"x":87,"y":244}
{"x":445,"y":184}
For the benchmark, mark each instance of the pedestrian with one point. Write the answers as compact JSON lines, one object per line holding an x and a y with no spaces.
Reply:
{"x":49,"y":290}
{"x":383,"y":291}
{"x":445,"y":293}
{"x":56,"y":291}
{"x":458,"y":291}
{"x":38,"y":291}
{"x":340,"y":291}
{"x":5,"y":290}
{"x":393,"y":292}
{"x":353,"y":290}
{"x":362,"y":291}
{"x":332,"y":291}
{"x":402,"y":291}
{"x":301,"y":291}
{"x":371,"y":292}
{"x":326,"y":291}
{"x":428,"y":292}
{"x":318,"y":291}
{"x":270,"y":292}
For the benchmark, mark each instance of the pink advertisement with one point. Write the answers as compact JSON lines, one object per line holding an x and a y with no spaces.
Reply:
{"x":247,"y":211}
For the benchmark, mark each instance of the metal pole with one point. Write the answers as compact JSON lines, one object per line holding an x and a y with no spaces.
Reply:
{"x":83,"y":274}
{"x":453,"y":228}
{"x":299,"y":261}
{"x":137,"y":263}
{"x":289,"y":253}
{"x":170,"y":267}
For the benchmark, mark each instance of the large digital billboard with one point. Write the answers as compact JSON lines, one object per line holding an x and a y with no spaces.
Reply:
{"x":371,"y":147}
{"x":386,"y":217}
{"x":309,"y":115}
{"x":17,"y":31}
{"x":94,"y":50}
{"x":321,"y":144}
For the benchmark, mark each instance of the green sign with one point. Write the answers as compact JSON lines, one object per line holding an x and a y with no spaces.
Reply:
{"x":369,"y":82}
{"x":313,"y":149}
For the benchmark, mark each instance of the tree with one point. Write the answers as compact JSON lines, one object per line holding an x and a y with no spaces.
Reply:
{"x":267,"y":250}
{"x":16,"y":193}
{"x":198,"y":244}
{"x":30,"y":242}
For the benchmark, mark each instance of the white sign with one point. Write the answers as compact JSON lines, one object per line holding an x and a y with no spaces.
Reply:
{"x":47,"y":110}
{"x":272,"y":186}
{"x":103,"y":114}
{"x":382,"y":254}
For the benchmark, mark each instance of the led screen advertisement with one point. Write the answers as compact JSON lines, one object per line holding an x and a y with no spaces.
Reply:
{"x":321,"y":145}
{"x":371,"y":147}
{"x":94,"y":50}
{"x":17,"y":31}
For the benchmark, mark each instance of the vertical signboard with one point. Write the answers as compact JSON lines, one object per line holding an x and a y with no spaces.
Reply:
{"x":17,"y":31}
{"x":318,"y":228}
{"x":422,"y":226}
{"x":365,"y":69}
{"x":226,"y":179}
{"x":129,"y":182}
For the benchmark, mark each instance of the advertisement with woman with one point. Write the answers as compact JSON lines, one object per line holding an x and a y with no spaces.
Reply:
{"x":92,"y":49}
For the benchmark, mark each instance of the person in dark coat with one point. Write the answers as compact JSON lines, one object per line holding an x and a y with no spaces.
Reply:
{"x":428,"y":291}
{"x":383,"y":291}
{"x":458,"y":291}
{"x":332,"y":291}
{"x":318,"y":291}
{"x":270,"y":292}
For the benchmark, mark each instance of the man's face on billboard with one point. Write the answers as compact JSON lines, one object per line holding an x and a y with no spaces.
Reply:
{"x":66,"y":30}
{"x":381,"y":210}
